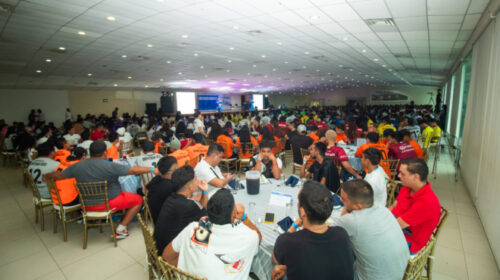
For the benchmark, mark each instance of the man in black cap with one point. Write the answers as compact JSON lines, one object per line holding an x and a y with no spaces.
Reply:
{"x":96,"y":169}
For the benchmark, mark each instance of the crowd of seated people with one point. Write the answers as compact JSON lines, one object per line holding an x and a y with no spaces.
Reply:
{"x":184,"y":153}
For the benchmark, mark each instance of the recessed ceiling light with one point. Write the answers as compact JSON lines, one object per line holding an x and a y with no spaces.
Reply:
{"x":390,"y":70}
{"x":161,"y":80}
{"x":228,"y":71}
{"x":303,"y":66}
{"x":39,"y":71}
{"x":229,"y":61}
{"x":48,"y":60}
{"x":306,"y":52}
{"x":317,"y":70}
{"x":254,"y":66}
{"x":279,"y":43}
{"x":115,"y":85}
{"x":130,"y":77}
{"x":231,"y":48}
{"x":195,"y":54}
{"x":180,"y":73}
{"x":384,"y":65}
{"x":124,"y":56}
{"x":62,"y":48}
{"x":168,"y":61}
{"x":340,"y":65}
{"x":375,"y":59}
{"x":236,"y":27}
{"x":111,"y":18}
{"x":345,"y":38}
{"x":82,"y":33}
{"x":201,"y":67}
{"x":315,"y":17}
{"x":149,"y":45}
{"x":146,"y":86}
{"x":263,"y":56}
{"x":185,"y":36}
{"x":286,"y":62}
{"x":89,"y":74}
{"x":274,"y":69}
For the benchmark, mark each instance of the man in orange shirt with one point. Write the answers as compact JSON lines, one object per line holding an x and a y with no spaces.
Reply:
{"x":339,"y":129}
{"x":156,"y":138}
{"x":198,"y":149}
{"x":182,"y":156}
{"x":314,"y":134}
{"x":227,"y":144}
{"x":66,"y":187}
{"x":112,"y":151}
{"x":372,"y":142}
{"x":407,"y":139}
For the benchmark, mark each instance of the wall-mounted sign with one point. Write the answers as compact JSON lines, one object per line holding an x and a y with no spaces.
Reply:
{"x":104,"y":100}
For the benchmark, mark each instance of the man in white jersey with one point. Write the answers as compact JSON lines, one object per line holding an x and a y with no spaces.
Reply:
{"x":221,"y":246}
{"x":42,"y":165}
{"x":375,"y":175}
{"x":148,"y":158}
{"x":72,"y":138}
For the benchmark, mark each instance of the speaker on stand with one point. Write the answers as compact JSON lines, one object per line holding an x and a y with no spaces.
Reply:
{"x":167,"y":102}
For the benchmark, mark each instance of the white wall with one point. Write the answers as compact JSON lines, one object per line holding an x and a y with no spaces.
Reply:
{"x":481,"y":137}
{"x":16,"y":104}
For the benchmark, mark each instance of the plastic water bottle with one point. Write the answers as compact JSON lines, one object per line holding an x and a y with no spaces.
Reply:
{"x":282,"y":179}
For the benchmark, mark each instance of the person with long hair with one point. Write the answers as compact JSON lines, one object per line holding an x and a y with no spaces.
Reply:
{"x":267,"y":135}
{"x":215,"y":131}
{"x":245,"y":137}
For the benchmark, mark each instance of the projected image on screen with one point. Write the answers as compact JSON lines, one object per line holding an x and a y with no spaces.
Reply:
{"x":186,"y":102}
{"x":258,"y":101}
{"x":208,"y":102}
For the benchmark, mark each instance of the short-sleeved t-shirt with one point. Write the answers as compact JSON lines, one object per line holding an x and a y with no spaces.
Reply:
{"x":159,"y":189}
{"x":198,"y":150}
{"x":378,"y":242}
{"x":266,"y":169}
{"x":326,"y":169}
{"x":228,"y":255}
{"x":402,"y":151}
{"x":298,"y":142}
{"x":336,"y":152}
{"x":39,"y":167}
{"x":421,"y":211}
{"x":148,"y":160}
{"x":72,"y":139}
{"x":95,"y":170}
{"x":417,"y":148}
{"x":378,"y":181}
{"x":176,"y":213}
{"x":309,"y":255}
{"x":205,"y":171}
{"x":198,"y":123}
{"x":427,"y":135}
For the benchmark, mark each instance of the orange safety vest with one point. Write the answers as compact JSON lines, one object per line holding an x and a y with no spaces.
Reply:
{"x":182,"y":156}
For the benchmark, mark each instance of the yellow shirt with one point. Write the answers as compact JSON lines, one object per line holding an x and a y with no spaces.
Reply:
{"x":427,"y":135}
{"x":436,"y":133}
{"x":383,"y":127}
{"x":304,"y":119}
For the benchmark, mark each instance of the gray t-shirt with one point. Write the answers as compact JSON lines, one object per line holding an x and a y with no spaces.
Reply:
{"x":378,"y":242}
{"x":95,"y":170}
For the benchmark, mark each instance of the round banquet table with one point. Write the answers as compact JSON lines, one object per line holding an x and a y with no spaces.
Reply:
{"x":350,"y":151}
{"x":262,"y":264}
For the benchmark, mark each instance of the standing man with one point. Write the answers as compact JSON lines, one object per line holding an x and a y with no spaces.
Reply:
{"x":199,"y":126}
{"x":300,"y":141}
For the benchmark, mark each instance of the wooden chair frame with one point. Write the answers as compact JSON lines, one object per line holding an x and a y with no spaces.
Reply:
{"x":169,"y":271}
{"x":244,"y":162}
{"x":148,"y":218}
{"x":430,"y":261}
{"x":94,"y":192}
{"x":393,"y":166}
{"x":151,"y":251}
{"x":393,"y":186}
{"x":145,"y":179}
{"x":295,"y":166}
{"x":417,"y":264}
{"x":60,"y":211}
{"x":39,"y":202}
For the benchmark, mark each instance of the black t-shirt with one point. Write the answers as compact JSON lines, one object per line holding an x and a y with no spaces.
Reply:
{"x":290,"y":135}
{"x":326,"y":169}
{"x":300,"y":141}
{"x":158,"y":191}
{"x":309,"y":255}
{"x":176,"y":213}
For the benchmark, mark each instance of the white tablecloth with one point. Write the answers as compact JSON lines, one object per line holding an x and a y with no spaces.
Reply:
{"x":350,"y":151}
{"x":262,"y":264}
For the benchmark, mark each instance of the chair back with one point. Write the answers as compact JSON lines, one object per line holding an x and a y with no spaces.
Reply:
{"x":393,"y":187}
{"x":146,"y":178}
{"x":54,"y":192}
{"x":304,"y":152}
{"x":34,"y":187}
{"x":93,"y":194}
{"x":148,"y":218}
{"x":151,"y":250}
{"x":417,"y":264}
{"x":246,"y":150}
{"x":393,"y":165}
{"x":171,"y":272}
{"x":442,"y":219}
{"x":209,"y":141}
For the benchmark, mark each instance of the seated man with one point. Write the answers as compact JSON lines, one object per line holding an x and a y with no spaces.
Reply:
{"x":400,"y":149}
{"x":72,"y":138}
{"x":407,"y":139}
{"x":208,"y":169}
{"x":43,"y":164}
{"x":158,"y":141}
{"x":314,"y":134}
{"x":378,"y":242}
{"x":161,"y":186}
{"x":148,"y":158}
{"x":113,"y":151}
{"x":63,"y":151}
{"x":317,"y":251}
{"x":417,"y":208}
{"x":265,"y":162}
{"x":372,"y":141}
{"x":300,"y":141}
{"x":338,"y":156}
{"x":436,"y":131}
{"x":323,"y":169}
{"x":97,"y":169}
{"x":427,"y":133}
{"x":375,"y":175}
{"x":198,"y":149}
{"x":216,"y":247}
{"x":180,"y":208}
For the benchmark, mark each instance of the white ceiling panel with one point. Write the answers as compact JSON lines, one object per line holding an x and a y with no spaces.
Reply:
{"x":255,"y":40}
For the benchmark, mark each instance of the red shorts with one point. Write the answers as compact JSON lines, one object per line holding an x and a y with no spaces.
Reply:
{"x":124,"y":200}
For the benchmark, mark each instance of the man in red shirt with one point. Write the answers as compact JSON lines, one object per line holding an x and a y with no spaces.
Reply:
{"x":98,"y":133}
{"x":339,"y":157}
{"x":407,"y":139}
{"x":416,"y":208}
{"x":399,"y":149}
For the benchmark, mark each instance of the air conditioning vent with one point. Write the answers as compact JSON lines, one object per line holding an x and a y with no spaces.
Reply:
{"x":382,"y":24}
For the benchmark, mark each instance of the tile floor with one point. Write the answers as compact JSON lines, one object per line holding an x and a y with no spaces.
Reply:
{"x":462,"y":252}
